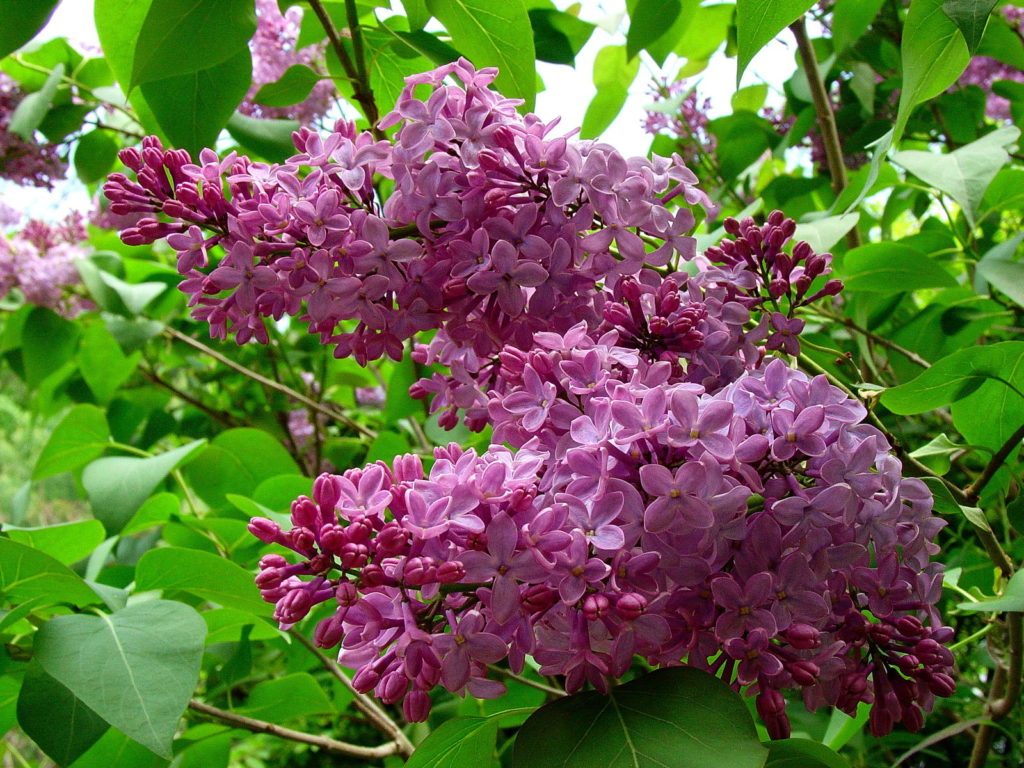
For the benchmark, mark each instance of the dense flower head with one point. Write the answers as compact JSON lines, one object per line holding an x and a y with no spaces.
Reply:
{"x":274,"y":50}
{"x":24,"y":162}
{"x":658,"y":483}
{"x":38,"y":261}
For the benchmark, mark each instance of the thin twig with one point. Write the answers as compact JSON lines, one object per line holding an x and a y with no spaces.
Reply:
{"x":913,"y":357}
{"x":973,"y":491}
{"x":361,"y":88}
{"x":224,"y":418}
{"x":526,"y":681}
{"x":826,"y":118}
{"x":376,"y":715}
{"x":324,"y":742}
{"x":284,"y":389}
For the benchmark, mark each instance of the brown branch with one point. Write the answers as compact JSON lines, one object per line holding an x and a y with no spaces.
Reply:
{"x":973,"y":491}
{"x":224,"y":418}
{"x":376,"y":715}
{"x":324,"y":742}
{"x":361,"y":87}
{"x":1005,"y":691}
{"x":913,"y":357}
{"x":284,"y":389}
{"x":826,"y":118}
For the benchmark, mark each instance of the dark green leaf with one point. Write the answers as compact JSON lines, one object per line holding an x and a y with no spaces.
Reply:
{"x":47,"y":343}
{"x":971,"y":17}
{"x":22,"y":19}
{"x":648,"y":21}
{"x":210,"y":31}
{"x":558,"y":36}
{"x":933,"y":55}
{"x":458,"y":743}
{"x":889,"y":268}
{"x":292,"y":87}
{"x":386,"y":446}
{"x":65,"y":542}
{"x":55,"y":719}
{"x":286,"y":698}
{"x":192,"y":109}
{"x":613,"y":74}
{"x":202,"y":574}
{"x":802,"y":753}
{"x":149,"y":654}
{"x":118,"y":485}
{"x":270,"y":138}
{"x":493,"y":35}
{"x":956,"y":376}
{"x":27,"y":574}
{"x":1012,"y":598}
{"x":80,"y":437}
{"x":95,"y":154}
{"x":758,"y":22}
{"x":64,"y":119}
{"x":115,"y":750}
{"x":31,"y":110}
{"x":681,"y":717}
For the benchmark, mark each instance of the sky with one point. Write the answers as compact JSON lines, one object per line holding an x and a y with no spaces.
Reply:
{"x":568,"y":90}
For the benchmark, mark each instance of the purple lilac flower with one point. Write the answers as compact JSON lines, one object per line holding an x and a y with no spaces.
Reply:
{"x":38,"y":261}
{"x":24,"y":162}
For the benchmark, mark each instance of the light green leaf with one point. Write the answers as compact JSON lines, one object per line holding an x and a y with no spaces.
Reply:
{"x":824,"y":233}
{"x":47,"y":343}
{"x":33,"y":108}
{"x":890,"y":268}
{"x":751,"y":98}
{"x":493,"y":35}
{"x":211,"y":31}
{"x":1012,"y":598}
{"x":841,"y":727}
{"x":224,"y":625}
{"x":386,"y":446}
{"x":649,"y":722}
{"x":936,"y":453}
{"x":95,"y":154}
{"x":457,"y":743}
{"x":286,"y":698}
{"x":79,"y":438}
{"x":147,"y":657}
{"x":1001,"y":272}
{"x":613,"y":74}
{"x":270,"y":138}
{"x":22,"y":20}
{"x":102,"y":363}
{"x":202,"y":574}
{"x":758,"y":22}
{"x":933,"y":54}
{"x":156,"y":511}
{"x":965,"y":173}
{"x":118,"y":485}
{"x":649,"y":20}
{"x":27,"y":574}
{"x":65,"y":542}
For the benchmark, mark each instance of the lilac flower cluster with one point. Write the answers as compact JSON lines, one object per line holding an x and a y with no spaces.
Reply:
{"x":678,"y":111}
{"x":495,"y":229}
{"x":274,"y":50}
{"x":657,"y":485}
{"x":39,"y":262}
{"x":24,"y":162}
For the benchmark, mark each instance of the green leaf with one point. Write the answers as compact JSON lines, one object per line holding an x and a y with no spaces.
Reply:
{"x":970,"y":17}
{"x":680,"y":716}
{"x":945,"y":504}
{"x":202,"y":574}
{"x":149,"y":655}
{"x":965,"y":173}
{"x":22,"y":20}
{"x":706,"y":32}
{"x":825,"y":232}
{"x":118,"y":485}
{"x":558,"y":36}
{"x":291,"y":88}
{"x":386,"y":446}
{"x":65,"y":542}
{"x":80,"y":437}
{"x":115,"y":750}
{"x":417,"y":12}
{"x":1002,"y":273}
{"x":758,"y":22}
{"x":27,"y":574}
{"x":237,"y":461}
{"x":936,"y":453}
{"x":613,"y":74}
{"x":118,"y":24}
{"x":955,"y":377}
{"x":270,"y":138}
{"x":890,"y":268}
{"x":286,"y":698}
{"x":47,"y":343}
{"x":31,"y":110}
{"x":224,"y":625}
{"x":42,"y":703}
{"x":751,"y":98}
{"x":493,"y":35}
{"x":1012,"y":598}
{"x":210,"y":31}
{"x":457,"y":743}
{"x":102,"y":363}
{"x":850,"y":20}
{"x":390,"y":59}
{"x":841,"y":727}
{"x":95,"y":154}
{"x":802,"y":753}
{"x":398,"y":403}
{"x":648,"y":21}
{"x":933,"y":56}
{"x":193,"y":108}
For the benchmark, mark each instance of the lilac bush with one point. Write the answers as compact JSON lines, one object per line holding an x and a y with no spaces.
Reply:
{"x":659,"y":483}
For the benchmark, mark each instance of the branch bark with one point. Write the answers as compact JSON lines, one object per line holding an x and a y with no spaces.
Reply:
{"x":324,"y":742}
